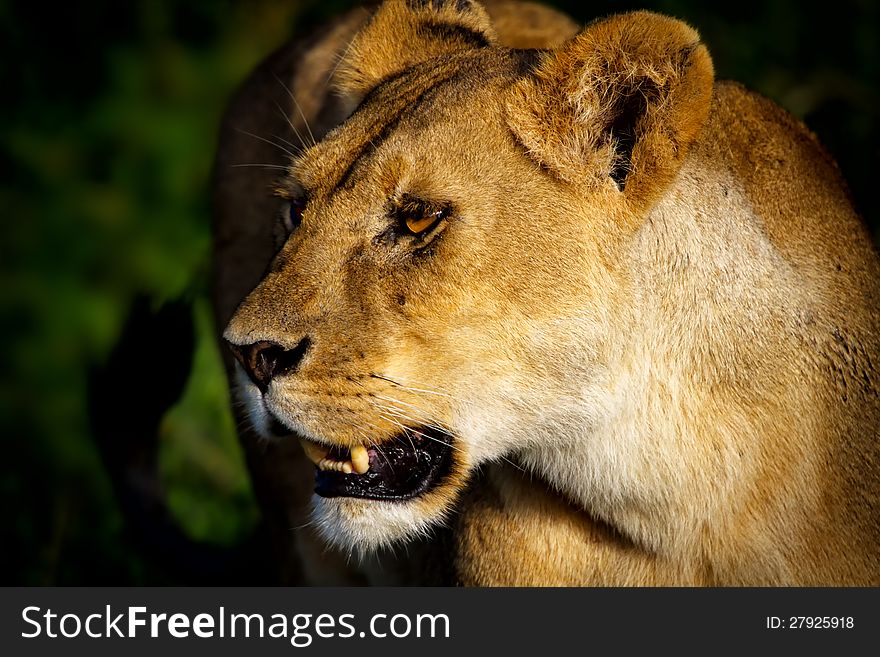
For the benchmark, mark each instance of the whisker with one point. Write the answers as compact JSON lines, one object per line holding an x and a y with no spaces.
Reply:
{"x":425,"y":419}
{"x":261,"y":166}
{"x":298,"y":108}
{"x":340,"y":58}
{"x":432,"y":423}
{"x":515,"y":465}
{"x":296,"y":148}
{"x":387,"y":460}
{"x":408,"y":430}
{"x":302,"y":142}
{"x":310,"y":523}
{"x":268,"y":141}
{"x":412,"y":406}
{"x":409,"y":387}
{"x":384,"y":378}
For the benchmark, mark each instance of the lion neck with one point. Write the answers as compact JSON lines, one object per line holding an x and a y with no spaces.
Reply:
{"x":652,"y":441}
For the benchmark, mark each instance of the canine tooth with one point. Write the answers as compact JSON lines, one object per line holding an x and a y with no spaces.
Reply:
{"x":360,"y":459}
{"x":316,"y":453}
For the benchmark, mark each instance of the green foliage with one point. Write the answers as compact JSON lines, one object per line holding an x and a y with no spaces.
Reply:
{"x":107,"y":150}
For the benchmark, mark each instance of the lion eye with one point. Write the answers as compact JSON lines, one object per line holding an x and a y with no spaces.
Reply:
{"x":421,"y":223}
{"x":293,"y":216}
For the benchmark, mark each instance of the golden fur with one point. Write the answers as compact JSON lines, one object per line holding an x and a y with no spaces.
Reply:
{"x":650,"y":320}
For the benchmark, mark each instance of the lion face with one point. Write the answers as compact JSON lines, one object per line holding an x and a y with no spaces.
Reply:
{"x":423,"y":295}
{"x":444,"y":291}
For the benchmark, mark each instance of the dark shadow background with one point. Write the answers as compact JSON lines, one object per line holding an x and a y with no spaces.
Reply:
{"x":109,"y":117}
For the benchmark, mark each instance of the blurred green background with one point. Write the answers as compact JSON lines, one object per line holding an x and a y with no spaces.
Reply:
{"x":109,"y":118}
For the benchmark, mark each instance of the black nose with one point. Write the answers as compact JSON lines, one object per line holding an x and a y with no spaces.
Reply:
{"x":263,"y":360}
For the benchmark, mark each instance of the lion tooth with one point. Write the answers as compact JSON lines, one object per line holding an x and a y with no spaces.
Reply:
{"x":360,"y":459}
{"x":314,"y":452}
{"x":320,"y":457}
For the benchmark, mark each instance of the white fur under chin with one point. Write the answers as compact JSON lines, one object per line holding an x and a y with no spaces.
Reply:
{"x":363,"y":526}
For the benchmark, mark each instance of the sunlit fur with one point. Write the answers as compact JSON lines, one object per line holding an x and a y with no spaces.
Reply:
{"x":678,"y":343}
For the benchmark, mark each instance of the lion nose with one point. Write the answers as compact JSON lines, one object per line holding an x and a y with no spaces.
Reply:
{"x":264,"y":360}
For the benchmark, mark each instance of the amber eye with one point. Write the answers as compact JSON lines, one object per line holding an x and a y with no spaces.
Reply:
{"x":421,"y":222}
{"x":294,"y":214}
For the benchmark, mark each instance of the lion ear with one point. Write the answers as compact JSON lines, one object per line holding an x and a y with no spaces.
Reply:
{"x":624,"y":100}
{"x":403,"y":33}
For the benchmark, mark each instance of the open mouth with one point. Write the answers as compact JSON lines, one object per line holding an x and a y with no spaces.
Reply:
{"x":409,"y":465}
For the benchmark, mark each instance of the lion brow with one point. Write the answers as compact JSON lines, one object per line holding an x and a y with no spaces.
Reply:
{"x":394,"y":99}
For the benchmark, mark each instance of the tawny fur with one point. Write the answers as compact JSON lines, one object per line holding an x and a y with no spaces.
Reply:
{"x":652,"y":319}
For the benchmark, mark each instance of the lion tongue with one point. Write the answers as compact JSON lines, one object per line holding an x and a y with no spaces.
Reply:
{"x":358,"y":462}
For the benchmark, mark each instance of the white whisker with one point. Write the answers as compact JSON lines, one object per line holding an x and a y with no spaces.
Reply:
{"x":409,"y":430}
{"x":298,"y":108}
{"x":302,"y":142}
{"x":268,"y":141}
{"x":340,"y":58}
{"x":408,"y":386}
{"x":261,"y":166}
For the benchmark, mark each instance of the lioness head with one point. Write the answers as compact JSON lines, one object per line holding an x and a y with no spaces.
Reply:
{"x":447,"y":286}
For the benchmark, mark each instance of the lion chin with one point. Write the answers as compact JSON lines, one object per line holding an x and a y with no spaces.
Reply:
{"x":363,"y":526}
{"x":371,"y":498}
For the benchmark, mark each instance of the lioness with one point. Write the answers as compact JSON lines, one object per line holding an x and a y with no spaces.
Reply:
{"x":606,"y":319}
